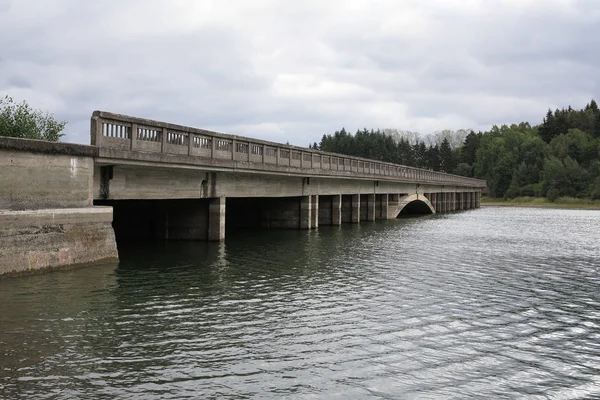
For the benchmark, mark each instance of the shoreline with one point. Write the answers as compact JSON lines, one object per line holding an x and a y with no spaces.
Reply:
{"x":541,"y":204}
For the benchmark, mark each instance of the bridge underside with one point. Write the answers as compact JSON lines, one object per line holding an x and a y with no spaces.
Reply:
{"x":209,"y":218}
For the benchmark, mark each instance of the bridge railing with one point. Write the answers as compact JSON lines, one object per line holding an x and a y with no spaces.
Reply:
{"x":137,"y":134}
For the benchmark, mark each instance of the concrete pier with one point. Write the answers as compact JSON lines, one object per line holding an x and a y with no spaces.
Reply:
{"x":314,"y":211}
{"x":355,"y":217}
{"x":216,"y":219}
{"x":336,"y":210}
{"x":371,"y":207}
{"x":384,"y":199}
{"x":305,"y":212}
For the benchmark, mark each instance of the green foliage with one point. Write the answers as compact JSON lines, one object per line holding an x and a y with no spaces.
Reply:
{"x":463,"y":169}
{"x":379,"y":145}
{"x":20,"y":120}
{"x":558,"y":158}
{"x":595,"y":189}
{"x":553,"y":194}
{"x":447,"y":162}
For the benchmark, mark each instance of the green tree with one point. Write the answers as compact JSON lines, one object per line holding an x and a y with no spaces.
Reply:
{"x":20,"y":120}
{"x":595,"y":189}
{"x":433,"y":158}
{"x":469,"y":148}
{"x":555,"y":178}
{"x":463,"y":169}
{"x":446,"y":156}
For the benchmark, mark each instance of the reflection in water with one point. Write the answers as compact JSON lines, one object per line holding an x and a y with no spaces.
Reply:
{"x":488,"y":303}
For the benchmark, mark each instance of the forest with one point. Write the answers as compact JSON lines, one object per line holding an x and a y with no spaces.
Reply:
{"x":560,"y":157}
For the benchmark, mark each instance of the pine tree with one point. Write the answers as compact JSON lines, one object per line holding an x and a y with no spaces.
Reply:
{"x":446,"y":156}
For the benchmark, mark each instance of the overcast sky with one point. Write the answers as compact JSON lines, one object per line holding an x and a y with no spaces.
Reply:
{"x":294,"y":70}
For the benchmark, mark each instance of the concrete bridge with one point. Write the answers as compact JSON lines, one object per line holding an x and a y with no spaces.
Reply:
{"x":166,"y":181}
{"x":238,"y":181}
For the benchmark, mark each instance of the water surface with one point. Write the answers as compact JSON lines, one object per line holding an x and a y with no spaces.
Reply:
{"x":489,"y":303}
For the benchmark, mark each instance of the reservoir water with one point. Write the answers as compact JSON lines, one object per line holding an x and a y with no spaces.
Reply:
{"x":489,"y":303}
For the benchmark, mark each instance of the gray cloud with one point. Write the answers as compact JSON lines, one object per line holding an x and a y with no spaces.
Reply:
{"x":293,"y":71}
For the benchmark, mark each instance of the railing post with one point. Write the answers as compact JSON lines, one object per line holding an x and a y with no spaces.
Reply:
{"x":213,"y":144}
{"x":277,"y":155}
{"x":248,"y":157}
{"x":190,"y":143}
{"x":233,"y":144}
{"x":264,"y":150}
{"x":163,"y":139}
{"x":133,"y":136}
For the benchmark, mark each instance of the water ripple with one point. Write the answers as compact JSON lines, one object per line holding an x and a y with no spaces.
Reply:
{"x":493,"y":303}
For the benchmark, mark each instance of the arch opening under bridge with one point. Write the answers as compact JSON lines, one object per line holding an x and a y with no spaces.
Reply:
{"x":414,"y":205}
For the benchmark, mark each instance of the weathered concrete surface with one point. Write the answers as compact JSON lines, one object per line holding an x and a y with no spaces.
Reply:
{"x":325,"y":210}
{"x":174,"y":182}
{"x":46,"y":218}
{"x":405,"y":200}
{"x":125,"y":139}
{"x":306,"y":212}
{"x":216,"y":219}
{"x":38,"y":174}
{"x":35,"y":241}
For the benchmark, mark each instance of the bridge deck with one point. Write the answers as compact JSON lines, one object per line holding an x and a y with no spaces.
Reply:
{"x":138,"y":140}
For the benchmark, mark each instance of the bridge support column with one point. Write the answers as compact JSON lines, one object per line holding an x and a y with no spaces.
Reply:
{"x":314,"y":211}
{"x":473,"y":200}
{"x":453,"y":195}
{"x":336,"y":210}
{"x":355,"y":217}
{"x":383,"y":206}
{"x":478,"y":199}
{"x":305,"y":212}
{"x":371,"y":207}
{"x":443,"y":202}
{"x":216,"y":219}
{"x":468,"y":200}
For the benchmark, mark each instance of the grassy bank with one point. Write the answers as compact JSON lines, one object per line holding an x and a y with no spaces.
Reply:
{"x":561,"y":202}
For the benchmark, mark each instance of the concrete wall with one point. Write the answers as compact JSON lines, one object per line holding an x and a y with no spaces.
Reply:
{"x":39,"y":240}
{"x":46,"y":216}
{"x":37,"y":174}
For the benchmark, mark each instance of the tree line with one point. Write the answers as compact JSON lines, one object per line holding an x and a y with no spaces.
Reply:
{"x":559,"y":157}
